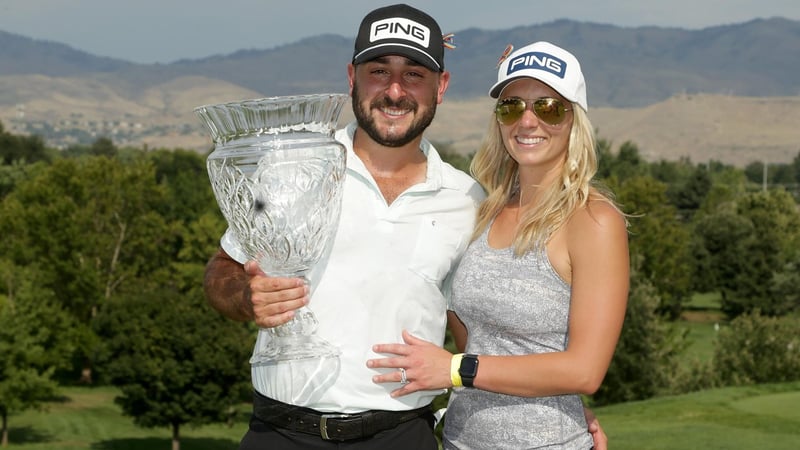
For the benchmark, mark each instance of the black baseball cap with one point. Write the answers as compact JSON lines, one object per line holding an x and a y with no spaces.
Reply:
{"x":400,"y":30}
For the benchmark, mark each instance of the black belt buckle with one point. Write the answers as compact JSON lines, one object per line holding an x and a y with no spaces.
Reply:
{"x":323,"y":424}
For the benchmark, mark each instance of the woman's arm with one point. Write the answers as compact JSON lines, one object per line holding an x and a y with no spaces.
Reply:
{"x":597,"y":245}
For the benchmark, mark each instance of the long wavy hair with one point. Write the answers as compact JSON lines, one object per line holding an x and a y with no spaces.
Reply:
{"x":498,"y":172}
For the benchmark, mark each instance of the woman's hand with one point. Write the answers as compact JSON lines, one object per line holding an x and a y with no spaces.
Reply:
{"x":426,"y":365}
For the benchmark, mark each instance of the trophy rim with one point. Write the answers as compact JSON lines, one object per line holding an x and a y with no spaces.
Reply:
{"x":272,"y":99}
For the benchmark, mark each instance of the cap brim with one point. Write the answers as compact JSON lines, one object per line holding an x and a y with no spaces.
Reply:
{"x":394,"y":49}
{"x":495,"y":91}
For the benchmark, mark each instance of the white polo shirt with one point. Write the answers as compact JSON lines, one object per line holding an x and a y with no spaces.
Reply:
{"x":385,"y":272}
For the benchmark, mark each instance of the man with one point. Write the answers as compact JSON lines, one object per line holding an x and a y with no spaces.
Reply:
{"x":406,"y":219}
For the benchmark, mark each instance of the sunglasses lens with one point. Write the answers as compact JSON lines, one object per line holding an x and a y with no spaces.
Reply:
{"x":509,"y":110}
{"x":549,"y":110}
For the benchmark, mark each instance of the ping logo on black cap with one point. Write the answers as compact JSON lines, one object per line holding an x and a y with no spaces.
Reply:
{"x":403,"y":31}
{"x":538,"y":61}
{"x":400,"y":28}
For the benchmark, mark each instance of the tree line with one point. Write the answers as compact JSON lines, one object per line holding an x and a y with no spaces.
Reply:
{"x":103,"y":252}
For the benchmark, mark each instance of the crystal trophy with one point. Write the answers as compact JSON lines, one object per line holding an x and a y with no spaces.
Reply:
{"x":277,"y":174}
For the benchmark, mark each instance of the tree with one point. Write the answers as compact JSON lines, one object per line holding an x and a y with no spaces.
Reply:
{"x":687,"y":184}
{"x":175,"y":360}
{"x":452,"y":157}
{"x":93,"y":224}
{"x":658,"y":240}
{"x":184,"y":176}
{"x":758,"y":349}
{"x":34,"y":343}
{"x":27,"y":149}
{"x":200,"y":242}
{"x":777,"y":174}
{"x":755,"y":172}
{"x":774,"y":250}
{"x":14,"y":173}
{"x":605,"y":159}
{"x":645,"y":359}
{"x":720,"y":252}
{"x":103,"y":146}
{"x":796,"y":167}
{"x":748,"y":251}
{"x":628,"y":163}
{"x":727,"y":184}
{"x":691,"y":194}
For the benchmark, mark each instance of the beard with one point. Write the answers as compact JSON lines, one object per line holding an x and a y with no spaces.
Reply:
{"x":367,"y":123}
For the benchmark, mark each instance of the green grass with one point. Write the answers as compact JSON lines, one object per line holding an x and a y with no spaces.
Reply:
{"x":754,"y":417}
{"x":702,"y":317}
{"x":707,"y":301}
{"x":87,"y":418}
{"x":701,"y":337}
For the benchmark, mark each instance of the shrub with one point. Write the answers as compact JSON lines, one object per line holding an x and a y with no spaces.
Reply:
{"x":758,"y":349}
{"x":646,"y":358}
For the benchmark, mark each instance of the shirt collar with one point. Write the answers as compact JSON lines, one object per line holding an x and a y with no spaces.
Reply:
{"x":434,"y":178}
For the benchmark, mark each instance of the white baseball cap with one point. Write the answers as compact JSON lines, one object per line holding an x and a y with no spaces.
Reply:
{"x":547,"y":63}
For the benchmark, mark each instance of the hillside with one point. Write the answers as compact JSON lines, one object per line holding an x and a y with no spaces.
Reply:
{"x":728,"y":93}
{"x":735,"y":130}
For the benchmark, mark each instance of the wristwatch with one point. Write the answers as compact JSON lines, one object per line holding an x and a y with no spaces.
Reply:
{"x":468,"y":369}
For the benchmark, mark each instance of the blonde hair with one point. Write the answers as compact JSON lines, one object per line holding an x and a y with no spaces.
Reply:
{"x":497,"y":172}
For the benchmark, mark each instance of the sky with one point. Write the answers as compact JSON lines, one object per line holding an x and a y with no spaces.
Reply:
{"x":164,"y":31}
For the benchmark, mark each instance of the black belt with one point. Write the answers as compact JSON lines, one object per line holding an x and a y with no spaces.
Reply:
{"x":330,"y":426}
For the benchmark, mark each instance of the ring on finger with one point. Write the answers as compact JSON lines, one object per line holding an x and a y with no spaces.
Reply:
{"x":403,"y":379}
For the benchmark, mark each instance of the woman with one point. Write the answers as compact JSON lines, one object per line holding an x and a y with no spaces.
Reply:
{"x":539,"y":297}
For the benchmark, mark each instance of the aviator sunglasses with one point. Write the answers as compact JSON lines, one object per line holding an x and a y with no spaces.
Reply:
{"x":551,"y":111}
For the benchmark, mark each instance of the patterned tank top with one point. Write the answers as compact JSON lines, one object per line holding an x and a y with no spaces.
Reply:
{"x":512,"y":306}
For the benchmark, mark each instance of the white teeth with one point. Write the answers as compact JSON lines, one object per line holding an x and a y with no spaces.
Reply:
{"x":394,"y":112}
{"x":529,"y":141}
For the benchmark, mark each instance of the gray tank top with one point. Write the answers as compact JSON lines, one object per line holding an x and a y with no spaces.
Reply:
{"x":512,"y":306}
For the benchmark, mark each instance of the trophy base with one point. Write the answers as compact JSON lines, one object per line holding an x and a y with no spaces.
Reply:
{"x":290,"y":348}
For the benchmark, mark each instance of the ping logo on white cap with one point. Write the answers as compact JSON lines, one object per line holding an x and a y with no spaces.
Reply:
{"x":400,"y":28}
{"x":538,"y":61}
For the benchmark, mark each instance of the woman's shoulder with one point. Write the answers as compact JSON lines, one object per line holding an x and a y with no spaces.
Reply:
{"x":597,"y":217}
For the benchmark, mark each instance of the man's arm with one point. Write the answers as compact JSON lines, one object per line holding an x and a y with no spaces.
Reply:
{"x":227,"y":287}
{"x":458,"y":330}
{"x":244,"y":292}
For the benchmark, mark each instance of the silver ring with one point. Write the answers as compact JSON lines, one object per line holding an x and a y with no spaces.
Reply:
{"x":403,"y":379}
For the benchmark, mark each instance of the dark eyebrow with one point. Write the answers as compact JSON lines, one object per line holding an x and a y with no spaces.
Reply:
{"x":384,"y":59}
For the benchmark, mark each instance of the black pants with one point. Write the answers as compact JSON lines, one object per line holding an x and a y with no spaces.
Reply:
{"x":412,"y":435}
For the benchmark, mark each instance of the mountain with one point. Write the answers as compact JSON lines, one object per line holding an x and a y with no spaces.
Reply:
{"x":20,"y":55}
{"x":71,"y":96}
{"x":624,"y":67}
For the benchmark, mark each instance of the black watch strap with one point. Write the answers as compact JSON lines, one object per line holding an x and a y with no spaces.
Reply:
{"x":468,"y":369}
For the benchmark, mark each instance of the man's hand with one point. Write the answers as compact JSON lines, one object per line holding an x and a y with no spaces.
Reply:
{"x":274,"y":299}
{"x":598,"y":436}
